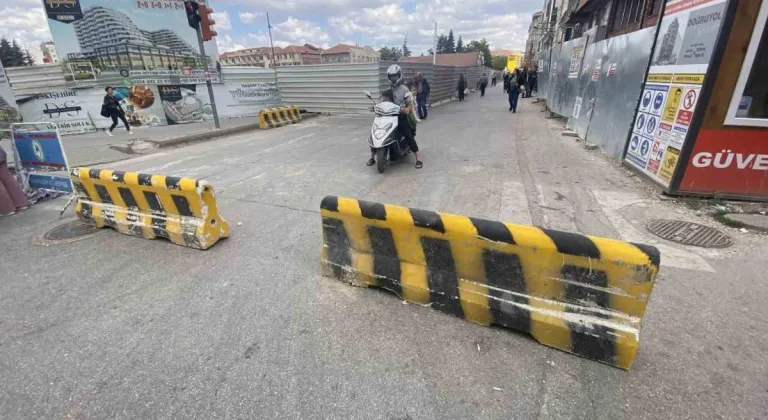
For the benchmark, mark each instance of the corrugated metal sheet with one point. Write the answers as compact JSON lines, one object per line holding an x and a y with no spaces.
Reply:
{"x":248,"y":75}
{"x":332,"y":88}
{"x":30,"y":81}
{"x":608,"y":104}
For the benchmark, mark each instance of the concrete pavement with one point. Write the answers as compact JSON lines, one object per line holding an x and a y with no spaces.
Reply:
{"x":119,"y":327}
{"x":96,"y":148}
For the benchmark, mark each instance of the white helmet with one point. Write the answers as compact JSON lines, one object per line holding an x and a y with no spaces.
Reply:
{"x":394,"y":74}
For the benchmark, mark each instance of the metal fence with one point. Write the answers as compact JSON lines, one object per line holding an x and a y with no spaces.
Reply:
{"x":332,"y":88}
{"x":328,"y":88}
{"x":597,"y":89}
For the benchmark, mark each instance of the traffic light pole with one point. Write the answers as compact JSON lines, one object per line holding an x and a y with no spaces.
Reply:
{"x":208,"y":79}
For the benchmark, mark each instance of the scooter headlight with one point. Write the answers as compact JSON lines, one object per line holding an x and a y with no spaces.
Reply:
{"x":381,"y":132}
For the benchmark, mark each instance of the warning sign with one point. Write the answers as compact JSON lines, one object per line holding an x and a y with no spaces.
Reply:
{"x":673,"y":103}
{"x":650,"y":125}
{"x":657,"y":152}
{"x":596,"y":71}
{"x":669,"y":163}
{"x":690,"y":99}
{"x":645,"y":103}
{"x":687,"y":106}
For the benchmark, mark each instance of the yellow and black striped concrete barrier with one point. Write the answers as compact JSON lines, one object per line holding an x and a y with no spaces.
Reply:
{"x":582,"y":294}
{"x":276,"y":117}
{"x":182,"y":210}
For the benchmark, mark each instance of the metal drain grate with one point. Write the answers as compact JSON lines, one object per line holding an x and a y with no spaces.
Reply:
{"x":70,"y":230}
{"x":688,"y":233}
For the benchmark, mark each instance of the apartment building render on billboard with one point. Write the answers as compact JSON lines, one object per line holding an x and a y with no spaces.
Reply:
{"x":111,"y":39}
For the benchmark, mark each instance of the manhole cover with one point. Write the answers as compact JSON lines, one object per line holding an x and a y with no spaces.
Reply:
{"x":688,"y":233}
{"x":70,"y":231}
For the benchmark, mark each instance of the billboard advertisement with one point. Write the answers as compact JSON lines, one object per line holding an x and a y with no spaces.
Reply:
{"x":245,"y":99}
{"x":687,"y":35}
{"x":96,"y":39}
{"x":181,"y":104}
{"x":38,"y":149}
{"x":731,"y":160}
{"x":66,"y":108}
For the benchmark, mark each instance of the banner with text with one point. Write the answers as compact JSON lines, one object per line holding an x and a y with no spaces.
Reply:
{"x":687,"y":35}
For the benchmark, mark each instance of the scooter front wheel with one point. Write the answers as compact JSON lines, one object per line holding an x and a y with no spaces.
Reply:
{"x":381,"y":159}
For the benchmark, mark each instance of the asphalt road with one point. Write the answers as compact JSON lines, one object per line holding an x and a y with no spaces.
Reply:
{"x":124,"y":328}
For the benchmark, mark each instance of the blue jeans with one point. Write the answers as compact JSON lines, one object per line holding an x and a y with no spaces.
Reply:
{"x":421,"y":105}
{"x":513,"y":94}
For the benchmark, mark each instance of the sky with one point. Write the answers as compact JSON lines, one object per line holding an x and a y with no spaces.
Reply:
{"x":324,"y":23}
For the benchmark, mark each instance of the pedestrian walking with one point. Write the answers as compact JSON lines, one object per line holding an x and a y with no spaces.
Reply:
{"x":112,"y":109}
{"x":422,"y":95}
{"x":513,"y":92}
{"x":493,"y":79}
{"x":461,"y":86}
{"x":483,"y":83}
{"x":533,"y":78}
{"x":12,"y":198}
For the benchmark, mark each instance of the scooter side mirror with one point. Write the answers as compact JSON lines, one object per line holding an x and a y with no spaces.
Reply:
{"x":368,"y":94}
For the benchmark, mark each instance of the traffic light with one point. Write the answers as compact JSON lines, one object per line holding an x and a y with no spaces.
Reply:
{"x":206,"y":23}
{"x":192,"y":14}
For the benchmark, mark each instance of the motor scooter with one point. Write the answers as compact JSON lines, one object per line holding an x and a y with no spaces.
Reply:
{"x":385,"y":139}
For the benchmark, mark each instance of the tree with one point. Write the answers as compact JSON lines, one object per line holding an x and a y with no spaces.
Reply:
{"x":481,"y":47}
{"x":430,"y":52}
{"x":390,"y":54}
{"x":28,"y":59}
{"x":459,"y":45}
{"x":450,"y":43}
{"x":442,"y":44}
{"x":406,"y":50}
{"x":498,"y":62}
{"x":12,"y":55}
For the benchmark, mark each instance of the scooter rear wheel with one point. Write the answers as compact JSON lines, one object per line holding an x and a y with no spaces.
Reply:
{"x":381,"y":159}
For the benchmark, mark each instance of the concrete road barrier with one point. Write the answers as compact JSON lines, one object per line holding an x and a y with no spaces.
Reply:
{"x":276,"y":117}
{"x":182,"y":210}
{"x":582,"y":294}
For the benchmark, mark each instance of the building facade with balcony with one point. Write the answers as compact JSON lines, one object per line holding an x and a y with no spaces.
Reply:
{"x":110,"y":40}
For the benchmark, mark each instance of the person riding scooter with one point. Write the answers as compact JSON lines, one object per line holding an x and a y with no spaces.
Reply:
{"x":401,"y":96}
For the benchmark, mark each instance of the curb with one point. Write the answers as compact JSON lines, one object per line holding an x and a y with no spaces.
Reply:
{"x":194,"y":137}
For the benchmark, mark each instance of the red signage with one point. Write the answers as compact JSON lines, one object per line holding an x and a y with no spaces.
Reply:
{"x":684,"y":117}
{"x":187,"y":71}
{"x":733,"y":161}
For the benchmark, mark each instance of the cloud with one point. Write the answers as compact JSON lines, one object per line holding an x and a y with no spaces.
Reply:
{"x":24,"y":22}
{"x":222,"y":21}
{"x":389,"y":24}
{"x":378,"y":23}
{"x":248,"y":17}
{"x":225,"y":43}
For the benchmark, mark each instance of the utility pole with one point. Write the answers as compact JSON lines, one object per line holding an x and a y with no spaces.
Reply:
{"x":269,"y":28}
{"x":208,"y":79}
{"x":434,"y":51}
{"x":199,"y":19}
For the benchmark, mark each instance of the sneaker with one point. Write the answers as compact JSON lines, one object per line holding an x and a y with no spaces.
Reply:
{"x":109,"y":133}
{"x":22,"y":208}
{"x":130,"y":132}
{"x":7,"y":214}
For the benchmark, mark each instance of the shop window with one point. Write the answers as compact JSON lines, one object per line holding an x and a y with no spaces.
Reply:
{"x":749,"y":104}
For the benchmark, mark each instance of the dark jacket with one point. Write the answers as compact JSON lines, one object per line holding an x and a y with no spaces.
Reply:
{"x":462,"y":83}
{"x":113,"y":105}
{"x":424,"y":87}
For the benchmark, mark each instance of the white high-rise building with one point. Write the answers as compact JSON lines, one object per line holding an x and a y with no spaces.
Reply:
{"x":103,"y":27}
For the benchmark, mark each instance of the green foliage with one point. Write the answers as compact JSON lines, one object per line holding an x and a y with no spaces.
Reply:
{"x":390,"y":54}
{"x":12,"y":55}
{"x":406,"y":50}
{"x":499,"y":62}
